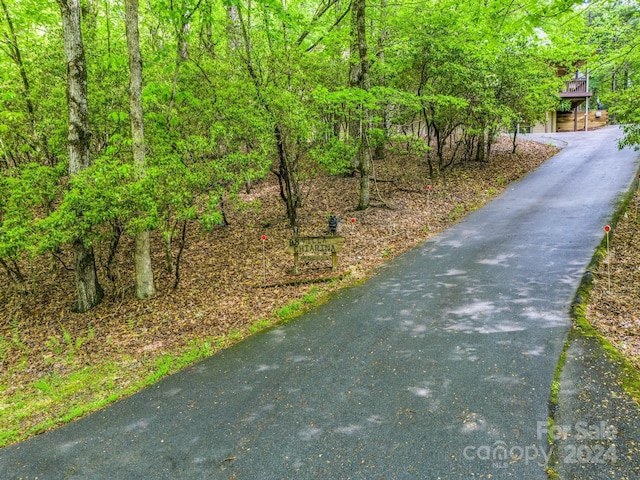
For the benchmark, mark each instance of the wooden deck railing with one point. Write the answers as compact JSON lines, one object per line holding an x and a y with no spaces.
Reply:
{"x":576,"y":88}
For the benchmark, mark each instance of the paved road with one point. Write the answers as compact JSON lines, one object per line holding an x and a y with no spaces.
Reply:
{"x":433,"y":369}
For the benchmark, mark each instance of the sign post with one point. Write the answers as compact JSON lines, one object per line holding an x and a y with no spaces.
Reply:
{"x":607,"y":229}
{"x":638,"y":194}
{"x":428,"y":189}
{"x":317,"y":247}
{"x":263,"y":239}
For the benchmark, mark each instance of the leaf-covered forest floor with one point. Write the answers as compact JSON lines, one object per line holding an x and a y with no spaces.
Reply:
{"x":614,"y":308}
{"x":56,"y":365}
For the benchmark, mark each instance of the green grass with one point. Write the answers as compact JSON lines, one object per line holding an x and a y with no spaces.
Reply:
{"x":289,"y":311}
{"x":59,"y":399}
{"x":234,"y":336}
{"x":312,"y":295}
{"x":56,"y":398}
{"x":62,"y":398}
{"x":555,"y":386}
{"x":457,"y":213}
{"x":259,"y":325}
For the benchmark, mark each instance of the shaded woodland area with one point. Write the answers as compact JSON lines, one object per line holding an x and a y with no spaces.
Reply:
{"x":121,"y":120}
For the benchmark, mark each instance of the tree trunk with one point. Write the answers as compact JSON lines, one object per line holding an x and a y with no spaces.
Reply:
{"x":364,"y":82}
{"x":145,"y":287}
{"x":183,"y":240}
{"x":364,"y":168}
{"x":614,"y":88}
{"x":481,"y":147}
{"x":355,"y":77}
{"x":383,"y":124}
{"x":287,"y":172}
{"x":142,"y":257}
{"x":88,"y":289}
{"x":16,"y":55}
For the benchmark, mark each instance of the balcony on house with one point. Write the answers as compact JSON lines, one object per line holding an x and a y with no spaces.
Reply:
{"x":577,"y":113}
{"x":577,"y":87}
{"x":577,"y":92}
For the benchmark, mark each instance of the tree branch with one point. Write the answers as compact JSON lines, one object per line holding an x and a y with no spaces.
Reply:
{"x":335,"y":24}
{"x":319,"y":13}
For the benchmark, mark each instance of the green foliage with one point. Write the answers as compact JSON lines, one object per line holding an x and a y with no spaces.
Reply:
{"x":409,"y":145}
{"x":613,"y":30}
{"x":475,"y":68}
{"x":27,"y":194}
{"x":627,"y":109}
{"x":229,"y":98}
{"x":334,"y":156}
{"x":563,"y":106}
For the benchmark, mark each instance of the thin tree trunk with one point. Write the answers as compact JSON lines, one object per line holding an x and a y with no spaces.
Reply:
{"x":355,"y":78}
{"x":182,"y":55}
{"x":614,"y":88}
{"x":88,"y":289}
{"x":113,"y":249}
{"x":107,"y":14}
{"x":14,"y":274}
{"x":383,"y":124}
{"x":142,"y":257}
{"x":364,"y":168}
{"x":145,"y":287}
{"x":287,"y":172}
{"x":233,"y":27}
{"x":364,"y":82}
{"x":16,"y":56}
{"x":168,"y":245}
{"x":481,"y":146}
{"x":183,"y":240}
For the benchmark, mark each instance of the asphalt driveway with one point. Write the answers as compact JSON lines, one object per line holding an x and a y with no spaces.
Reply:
{"x":440,"y":366}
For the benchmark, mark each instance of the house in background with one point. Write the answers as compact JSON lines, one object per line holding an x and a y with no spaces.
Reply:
{"x":583,"y":115}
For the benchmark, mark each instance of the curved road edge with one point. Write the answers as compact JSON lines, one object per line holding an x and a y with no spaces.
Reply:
{"x":594,"y":409}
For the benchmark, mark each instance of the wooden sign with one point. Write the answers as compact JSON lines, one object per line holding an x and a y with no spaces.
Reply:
{"x":314,"y":248}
